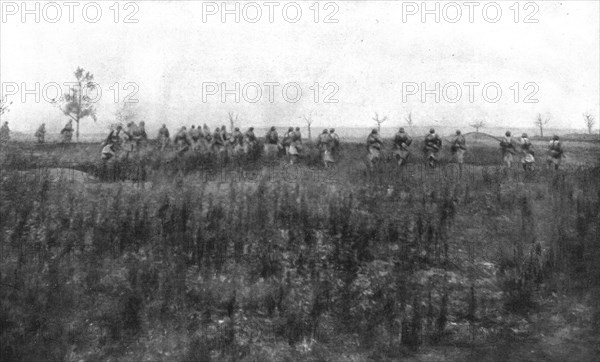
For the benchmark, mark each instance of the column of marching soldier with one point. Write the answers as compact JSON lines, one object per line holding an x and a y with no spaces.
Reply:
{"x":220,"y":142}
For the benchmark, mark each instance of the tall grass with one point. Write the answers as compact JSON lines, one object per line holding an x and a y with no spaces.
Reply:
{"x":283,"y":270}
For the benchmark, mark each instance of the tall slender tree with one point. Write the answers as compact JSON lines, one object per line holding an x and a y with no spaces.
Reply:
{"x":77,"y":104}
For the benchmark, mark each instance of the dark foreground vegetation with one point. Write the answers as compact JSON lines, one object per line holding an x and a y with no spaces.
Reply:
{"x":360,"y":267}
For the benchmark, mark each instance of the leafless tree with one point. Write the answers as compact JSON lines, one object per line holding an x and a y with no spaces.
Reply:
{"x":4,"y":106}
{"x":379,"y":121}
{"x":590,"y":120}
{"x":308,"y":119}
{"x":232,"y":121}
{"x":409,"y":120}
{"x":478,"y":124}
{"x":541,"y":121}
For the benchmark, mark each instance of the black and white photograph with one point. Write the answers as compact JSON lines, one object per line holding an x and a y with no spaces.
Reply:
{"x":309,"y":180}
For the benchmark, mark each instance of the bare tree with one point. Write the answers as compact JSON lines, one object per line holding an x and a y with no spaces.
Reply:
{"x":379,"y":121}
{"x":478,"y":124}
{"x":590,"y":120}
{"x":76,"y":104}
{"x":541,"y":121}
{"x":232,"y":121}
{"x":4,"y":106}
{"x":409,"y":120}
{"x":308,"y":119}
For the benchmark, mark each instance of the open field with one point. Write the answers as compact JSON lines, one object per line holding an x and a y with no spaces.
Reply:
{"x":166,"y":258}
{"x":311,"y":181}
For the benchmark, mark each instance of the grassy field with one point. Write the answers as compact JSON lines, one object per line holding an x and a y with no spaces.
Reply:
{"x":186,"y":259}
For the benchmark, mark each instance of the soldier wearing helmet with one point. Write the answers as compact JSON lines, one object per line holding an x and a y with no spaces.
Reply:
{"x":555,"y":152}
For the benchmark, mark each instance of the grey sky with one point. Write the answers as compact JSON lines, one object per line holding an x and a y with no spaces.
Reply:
{"x":368,"y":54}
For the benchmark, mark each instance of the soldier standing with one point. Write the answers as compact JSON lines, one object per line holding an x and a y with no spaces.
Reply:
{"x":555,"y":152}
{"x":207,"y":135}
{"x":67,"y":132}
{"x":250,"y":141}
{"x":182,"y":141}
{"x":163,"y":137}
{"x":142,"y":131}
{"x":295,"y":144}
{"x":433,"y":144}
{"x":237,"y":140}
{"x":199,"y":131}
{"x":287,"y":143}
{"x":218,"y":143}
{"x":335,"y":139}
{"x":325,"y":143}
{"x":224,"y":135}
{"x":139,"y":135}
{"x":527,"y":160}
{"x":272,"y":145}
{"x":508,"y":149}
{"x":298,"y":140}
{"x":374,"y":146}
{"x":40,"y":134}
{"x":193,"y":134}
{"x":130,"y":144}
{"x":401,"y":143}
{"x":458,"y":148}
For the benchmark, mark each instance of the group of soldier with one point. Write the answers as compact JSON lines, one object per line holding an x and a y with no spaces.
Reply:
{"x":126,"y":140}
{"x":432,"y":145}
{"x":220,"y":142}
{"x":328,"y":144}
{"x":66,"y":134}
{"x":555,"y":151}
{"x":201,"y":139}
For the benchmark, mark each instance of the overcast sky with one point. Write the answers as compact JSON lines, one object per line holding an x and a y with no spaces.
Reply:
{"x":372,"y":57}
